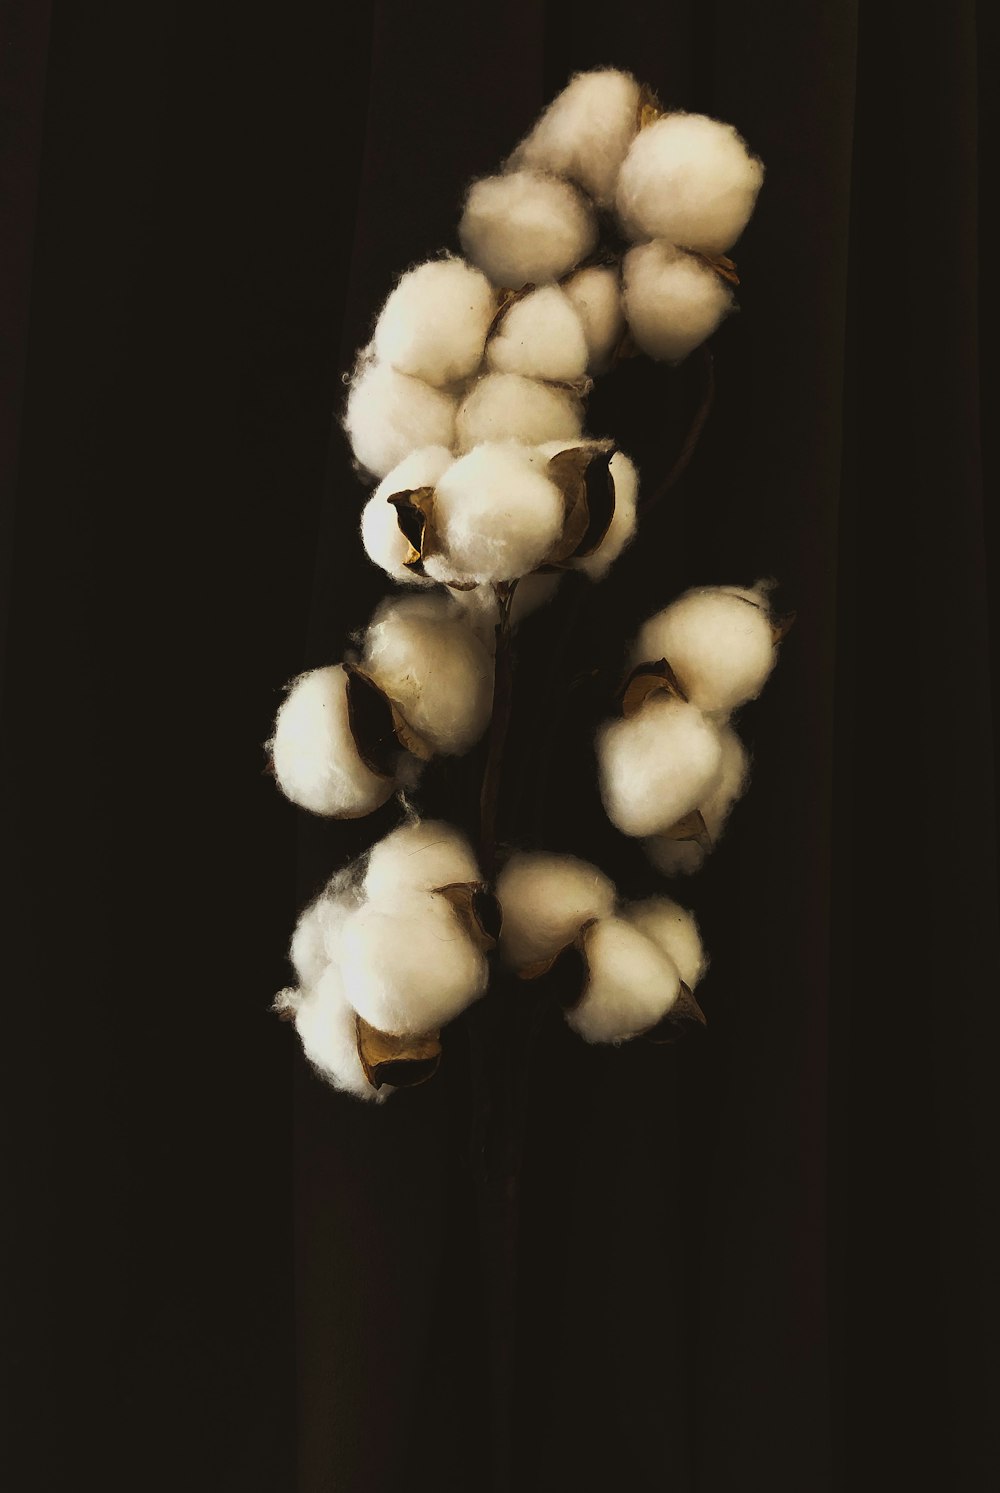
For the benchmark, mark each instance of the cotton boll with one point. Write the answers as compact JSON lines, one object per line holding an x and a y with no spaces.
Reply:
{"x":423,"y":654}
{"x":410,"y":967}
{"x":673,"y":301}
{"x":496,"y":515}
{"x":434,"y":323}
{"x":418,"y":857}
{"x":390,"y":414}
{"x":507,"y":406}
{"x":596,"y":295}
{"x":623,"y":523}
{"x":631,"y":983}
{"x":316,"y":761}
{"x":526,"y":227}
{"x":674,"y":930}
{"x":720,"y":647}
{"x":656,"y":765}
{"x":546,"y":899}
{"x":381,"y":535}
{"x":689,"y":179}
{"x":326,"y":1026}
{"x":586,"y":131}
{"x":541,"y":336}
{"x":683,"y":857}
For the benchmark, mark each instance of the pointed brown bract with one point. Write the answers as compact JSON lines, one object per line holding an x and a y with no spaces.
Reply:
{"x":655,"y":677}
{"x":720,"y":263}
{"x":582,"y":474}
{"x":685,"y":1015}
{"x":407,"y":737}
{"x":782,"y":626}
{"x":400,"y":1061}
{"x":691,"y":828}
{"x":478,"y":911}
{"x":508,"y":298}
{"x":413,"y":515}
{"x":649,"y":108}
{"x":564,"y":974}
{"x":370,"y":714}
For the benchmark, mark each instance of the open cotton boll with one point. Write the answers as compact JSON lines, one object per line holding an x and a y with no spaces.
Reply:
{"x":586,"y":131}
{"x":434,"y":323}
{"x":410,"y":966}
{"x":683,"y":857}
{"x":381,"y":535}
{"x":390,"y":414}
{"x":496,"y":515}
{"x":720,"y":647}
{"x":673,"y":301}
{"x":540,"y":336}
{"x":596,"y":295}
{"x":631,"y":983}
{"x":656,"y":765}
{"x":422,"y":653}
{"x":526,"y":227}
{"x":546,"y":899}
{"x":326,"y":1026}
{"x":689,"y":179}
{"x":316,"y":761}
{"x":674,"y":930}
{"x":508,"y":406}
{"x":623,"y":523}
{"x":418,"y":857}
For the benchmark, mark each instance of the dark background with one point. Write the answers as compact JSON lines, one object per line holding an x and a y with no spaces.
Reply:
{"x":761,"y":1260}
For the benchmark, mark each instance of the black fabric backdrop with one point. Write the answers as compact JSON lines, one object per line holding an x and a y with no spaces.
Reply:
{"x":761,"y":1260}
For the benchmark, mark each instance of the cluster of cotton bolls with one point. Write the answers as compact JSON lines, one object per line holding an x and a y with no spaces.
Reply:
{"x":388,"y":953}
{"x":627,"y":968}
{"x":671,"y":767}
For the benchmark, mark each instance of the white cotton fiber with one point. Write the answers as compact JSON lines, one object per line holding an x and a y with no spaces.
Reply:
{"x":546,"y":899}
{"x":540,"y":336}
{"x":623,"y":523}
{"x":596,"y":295}
{"x":689,"y":179}
{"x":496,"y":515}
{"x":381,"y":535}
{"x":719,"y":646}
{"x":418,"y":857}
{"x":314,"y":935}
{"x":327,"y":1029}
{"x":674,"y":930}
{"x":631,"y":985}
{"x":409,"y":967}
{"x":422,"y":653}
{"x":673,"y":301}
{"x":434,"y":323}
{"x":316,"y":761}
{"x":390,"y":414}
{"x":683,"y":857}
{"x":656,"y":765}
{"x":585,"y":132}
{"x":509,"y":407}
{"x":526,"y":227}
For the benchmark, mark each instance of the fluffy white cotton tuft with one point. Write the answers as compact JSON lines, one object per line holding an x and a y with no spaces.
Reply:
{"x":720,"y":647}
{"x":683,"y":857}
{"x":596,"y":295}
{"x":422,"y":653}
{"x":326,"y":1026}
{"x":509,"y":407}
{"x":656,"y":765}
{"x":673,"y":301}
{"x":390,"y":414}
{"x":526,"y":227}
{"x":674,"y":930}
{"x":418,"y":857}
{"x":409,"y":967}
{"x":434,"y":323}
{"x":380,"y":532}
{"x":622,"y":527}
{"x":546,"y":899}
{"x":689,"y":179}
{"x":585,"y":132}
{"x":496,"y":515}
{"x":632,"y":984}
{"x":314,"y":933}
{"x":316,"y":761}
{"x":540,"y":336}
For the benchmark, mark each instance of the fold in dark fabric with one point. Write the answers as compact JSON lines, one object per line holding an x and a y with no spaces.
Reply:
{"x":761,"y":1258}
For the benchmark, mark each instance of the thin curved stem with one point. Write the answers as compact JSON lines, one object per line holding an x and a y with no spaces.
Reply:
{"x":503,"y":689}
{"x":684,"y":455}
